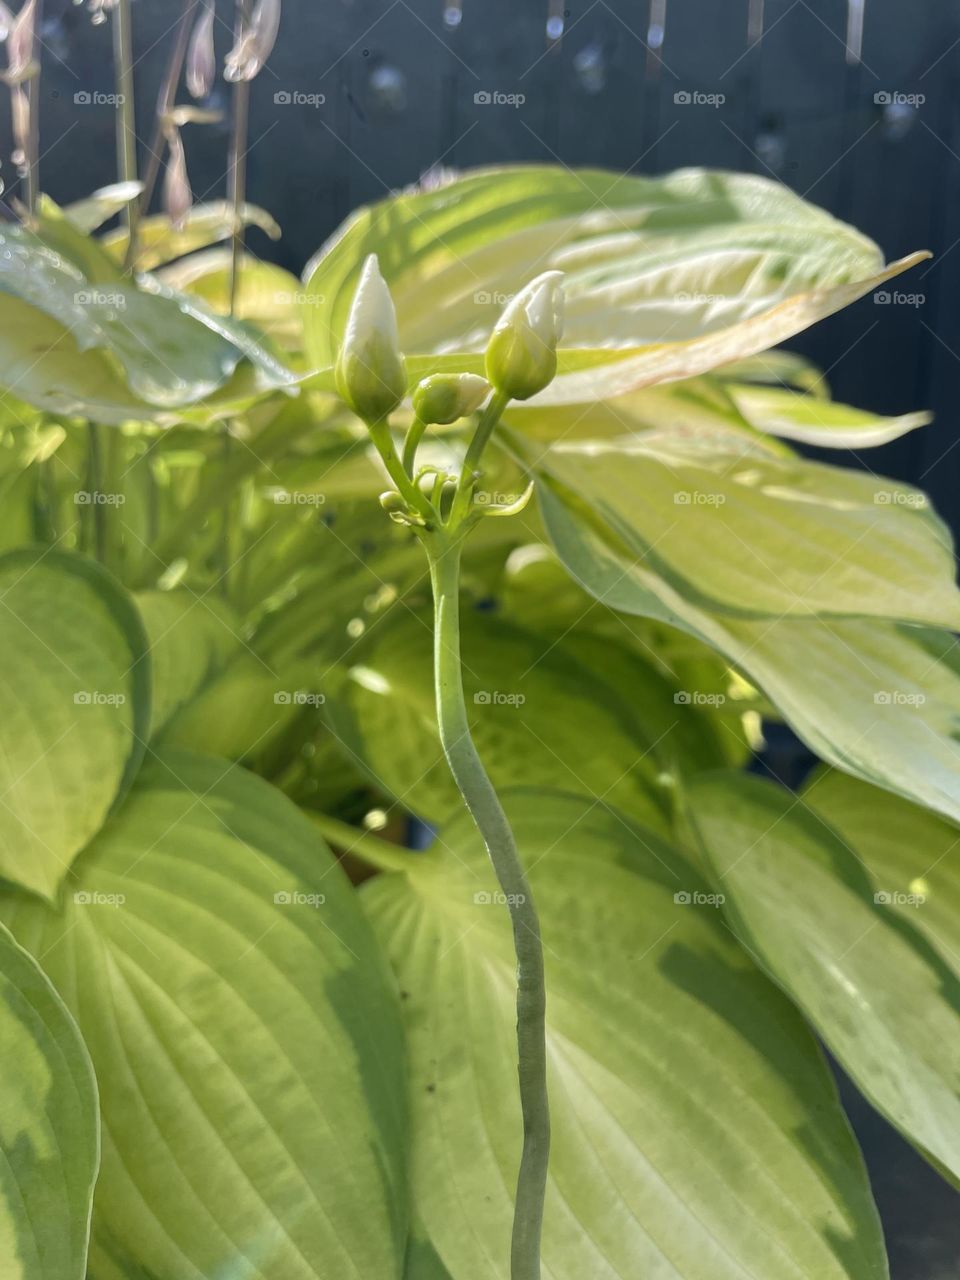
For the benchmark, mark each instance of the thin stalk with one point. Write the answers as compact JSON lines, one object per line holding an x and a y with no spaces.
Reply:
{"x":488,"y":420}
{"x":95,"y":490}
{"x":237,"y":173}
{"x":126,"y":111}
{"x":165,"y":103}
{"x":376,"y":853}
{"x":481,"y":799}
{"x":32,"y":157}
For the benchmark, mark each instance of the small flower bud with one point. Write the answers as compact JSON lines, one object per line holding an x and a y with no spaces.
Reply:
{"x":370,"y":371}
{"x":445,"y":397}
{"x":522,"y":352}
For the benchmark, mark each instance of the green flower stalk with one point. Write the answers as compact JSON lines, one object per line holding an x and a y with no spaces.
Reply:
{"x":370,"y":374}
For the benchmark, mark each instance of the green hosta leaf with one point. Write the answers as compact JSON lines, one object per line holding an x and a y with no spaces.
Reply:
{"x":803,"y":904}
{"x":688,"y":1098}
{"x":696,"y":405}
{"x":150,"y":352}
{"x":576,"y":713}
{"x":99,"y":207}
{"x":74,"y":709}
{"x":909,"y":853}
{"x":158,"y":241}
{"x":876,"y":699}
{"x":266,"y":296}
{"x":813,"y":420}
{"x":784,"y":536}
{"x":665,"y":277}
{"x":191,"y":637}
{"x":49,"y":1130}
{"x":248,"y":1046}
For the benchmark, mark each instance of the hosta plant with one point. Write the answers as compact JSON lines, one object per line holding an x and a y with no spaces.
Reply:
{"x":383,"y":646}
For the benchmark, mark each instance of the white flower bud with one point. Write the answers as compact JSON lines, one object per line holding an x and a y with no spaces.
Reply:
{"x":370,"y":372}
{"x":522,"y":352}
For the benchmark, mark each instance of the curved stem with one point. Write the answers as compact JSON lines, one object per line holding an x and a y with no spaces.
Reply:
{"x":382,"y":439}
{"x":488,"y":420}
{"x":411,"y":443}
{"x":481,"y":799}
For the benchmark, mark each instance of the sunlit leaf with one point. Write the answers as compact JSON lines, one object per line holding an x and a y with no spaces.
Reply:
{"x":75,"y":709}
{"x":808,"y":910}
{"x":245,"y":1036}
{"x":49,"y":1128}
{"x":688,"y":1098}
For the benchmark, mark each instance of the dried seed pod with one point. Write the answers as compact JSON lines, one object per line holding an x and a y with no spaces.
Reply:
{"x":177,"y":195}
{"x":254,"y":43}
{"x":201,"y":55}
